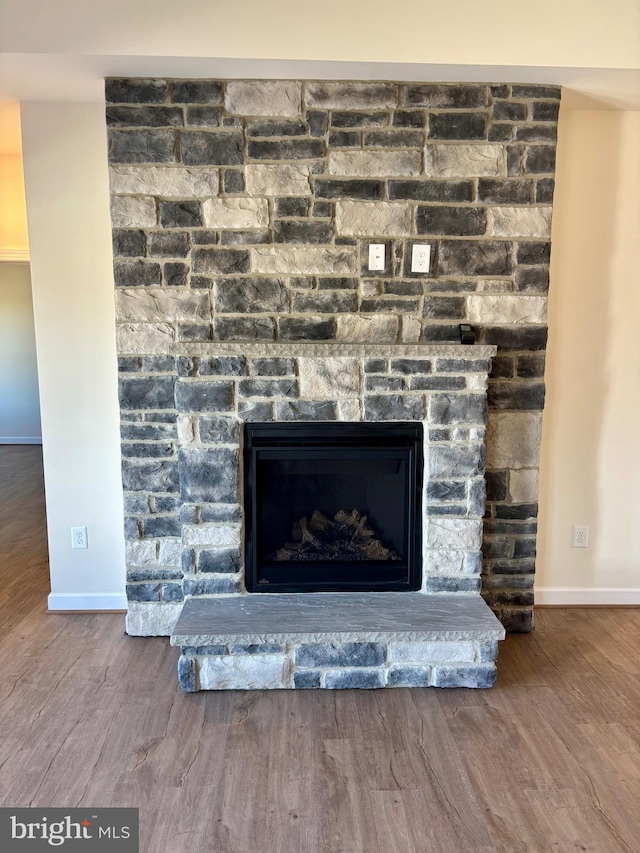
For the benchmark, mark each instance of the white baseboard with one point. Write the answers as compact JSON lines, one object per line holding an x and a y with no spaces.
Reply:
{"x":576,"y":596}
{"x":87,"y":601}
{"x":10,"y":439}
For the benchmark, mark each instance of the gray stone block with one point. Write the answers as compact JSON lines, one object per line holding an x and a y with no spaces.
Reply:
{"x":244,"y":329}
{"x":475,"y":257}
{"x":460,"y":461}
{"x":196,"y":92}
{"x":223,"y":366}
{"x":256,"y":649}
{"x":291,"y":206}
{"x":409,"y":118}
{"x":136,"y":503}
{"x":464,"y":676}
{"x":136,"y":273}
{"x":218,"y":649}
{"x":172,"y":592}
{"x":393,"y":407}
{"x":329,"y":302}
{"x":211,"y":149}
{"x":165,"y":504}
{"x":142,"y":449}
{"x":535,"y":91}
{"x":147,"y":432}
{"x":175,"y":274}
{"x":516,"y":338}
{"x":187,"y":674}
{"x":302,"y":231}
{"x":517,"y":620}
{"x":437,"y":191}
{"x":322,"y":209}
{"x":384,"y":383}
{"x":306,"y":328}
{"x":286,"y":149}
{"x":129,"y":364}
{"x":233,"y":181}
{"x":180,"y":214}
{"x":545,"y":111}
{"x":445,"y":96}
{"x":446,"y":490}
{"x":537,"y":133}
{"x":500,"y":132}
{"x":351,"y":96}
{"x":509,"y":395}
{"x":341,"y":118}
{"x":134,"y":91}
{"x":340,"y":654}
{"x":143,"y":592}
{"x":250,"y":296}
{"x":144,"y":116}
{"x":394,"y":138}
{"x":219,"y":561}
{"x":306,"y":680}
{"x":155,"y":476}
{"x":509,"y":111}
{"x":268,"y":388}
{"x":458,"y":583}
{"x":201,"y":396}
{"x":408,"y":676}
{"x":317,"y":121}
{"x":516,"y":191}
{"x":524,"y":548}
{"x":306,"y":410}
{"x":147,"y":392}
{"x":161,"y":526}
{"x":544,"y":190}
{"x":220,"y":261}
{"x":142,"y":146}
{"x":519,"y":511}
{"x":272,"y":367}
{"x":363,"y":189}
{"x":128,"y":243}
{"x":215,"y":429}
{"x":220,"y":512}
{"x":530,"y":366}
{"x":437,"y":383}
{"x":344,"y":139}
{"x":444,"y":307}
{"x":211,"y":586}
{"x":540,"y":159}
{"x":457,"y":125}
{"x":451,"y":221}
{"x":209,"y":474}
{"x":532,"y":279}
{"x":284,"y":127}
{"x":410,"y":366}
{"x":457,"y":408}
{"x":375,"y":365}
{"x":173,"y":244}
{"x":349,"y":679}
{"x":248,"y":410}
{"x":253,"y":237}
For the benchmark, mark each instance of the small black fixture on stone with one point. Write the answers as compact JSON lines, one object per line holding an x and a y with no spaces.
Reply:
{"x":467,"y":334}
{"x":333,"y":506}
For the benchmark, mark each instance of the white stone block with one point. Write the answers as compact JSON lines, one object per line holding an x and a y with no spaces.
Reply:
{"x":350,"y":96}
{"x":445,"y":562}
{"x":523,"y":485}
{"x":211,"y":535}
{"x":264,"y":97}
{"x":453,"y":533}
{"x":140,"y":553}
{"x":411,"y":330}
{"x":477,"y":382}
{"x":349,"y":410}
{"x":432,"y":652}
{"x":275,"y":179}
{"x":382,"y":328}
{"x":244,"y":672}
{"x":151,"y":618}
{"x":186,"y":430}
{"x":328,"y":378}
{"x":304,"y":260}
{"x":236,"y":212}
{"x":154,"y":305}
{"x":170,"y":553}
{"x":369,"y":288}
{"x":375,"y":164}
{"x":520,"y":221}
{"x":464,"y":161}
{"x":144,"y":338}
{"x":507,"y":308}
{"x":380,"y":218}
{"x":136,"y":212}
{"x":513,"y":439}
{"x":166,"y":181}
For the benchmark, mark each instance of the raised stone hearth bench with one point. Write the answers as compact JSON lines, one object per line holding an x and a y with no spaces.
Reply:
{"x":336,"y":641}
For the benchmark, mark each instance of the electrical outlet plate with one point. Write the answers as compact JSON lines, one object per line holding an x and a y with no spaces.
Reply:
{"x":376,"y":256}
{"x":580,"y":536}
{"x":79,"y":537}
{"x":420,"y":257}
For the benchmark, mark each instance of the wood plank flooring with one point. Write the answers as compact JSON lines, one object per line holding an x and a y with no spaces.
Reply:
{"x":548,"y":760}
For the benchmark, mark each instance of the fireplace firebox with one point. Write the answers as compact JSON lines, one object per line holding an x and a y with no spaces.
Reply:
{"x":333,"y":506}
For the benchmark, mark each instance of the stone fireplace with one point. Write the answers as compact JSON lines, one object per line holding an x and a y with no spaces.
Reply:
{"x":243,"y":212}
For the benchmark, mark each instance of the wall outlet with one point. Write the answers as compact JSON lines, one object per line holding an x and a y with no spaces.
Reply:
{"x":79,"y":537}
{"x":580,"y":536}
{"x":420,"y":257}
{"x":376,"y":256}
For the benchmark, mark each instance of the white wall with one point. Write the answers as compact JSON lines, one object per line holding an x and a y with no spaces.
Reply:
{"x":590,"y":471}
{"x":65,"y":164}
{"x":19,"y":405}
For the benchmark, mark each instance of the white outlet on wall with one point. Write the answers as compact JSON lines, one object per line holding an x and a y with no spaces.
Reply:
{"x":580,"y":536}
{"x":420,"y":257}
{"x":79,"y":537}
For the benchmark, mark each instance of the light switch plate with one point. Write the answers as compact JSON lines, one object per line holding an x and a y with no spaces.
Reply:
{"x":376,"y":256}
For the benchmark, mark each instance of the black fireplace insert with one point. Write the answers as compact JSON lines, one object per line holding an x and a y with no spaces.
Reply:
{"x":333,"y":506}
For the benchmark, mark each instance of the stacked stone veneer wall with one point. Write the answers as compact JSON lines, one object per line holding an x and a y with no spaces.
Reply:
{"x":243,"y":211}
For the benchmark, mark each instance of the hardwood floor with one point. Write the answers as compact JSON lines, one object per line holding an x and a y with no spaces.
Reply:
{"x":548,"y":760}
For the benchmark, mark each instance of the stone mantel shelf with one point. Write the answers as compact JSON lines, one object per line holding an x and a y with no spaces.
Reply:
{"x":335,"y":617}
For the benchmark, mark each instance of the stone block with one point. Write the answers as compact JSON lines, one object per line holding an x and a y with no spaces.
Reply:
{"x":302,"y":231}
{"x":236,"y":238}
{"x":393,"y":407}
{"x":362,"y":218}
{"x":244,"y":672}
{"x":264,"y":128}
{"x":144,"y":116}
{"x":453,"y":533}
{"x":513,"y":439}
{"x":349,"y":410}
{"x":328,"y":378}
{"x":359,"y":119}
{"x":136,"y":273}
{"x":219,"y":560}
{"x":375,"y":164}
{"x":220,"y":261}
{"x":230,"y":365}
{"x":235,"y":213}
{"x":160,"y":526}
{"x":264,"y":97}
{"x":152,"y":619}
{"x":437,"y":383}
{"x":291,"y":206}
{"x":444,"y":308}
{"x":249,"y":410}
{"x":534,"y":253}
{"x":354,"y":679}
{"x":144,"y":337}
{"x":152,"y":305}
{"x":509,"y":395}
{"x":350,"y":95}
{"x":122,"y":90}
{"x":276,"y":180}
{"x":517,"y":511}
{"x":306,"y":680}
{"x":250,"y":296}
{"x":186,"y":430}
{"x":432,"y":652}
{"x":208,"y":474}
{"x":203,"y":116}
{"x":506,"y":308}
{"x":475,"y":257}
{"x":349,"y":189}
{"x":306,"y":328}
{"x":144,"y":449}
{"x":127,"y":243}
{"x":211,"y":535}
{"x":445,"y":95}
{"x":146,"y":392}
{"x":438,"y":191}
{"x":435,"y":585}
{"x":506,"y":191}
{"x":286,"y":149}
{"x":339,"y":654}
{"x":544,"y":190}
{"x":140,"y":553}
{"x":459,"y":461}
{"x":537,"y":133}
{"x":139,"y":212}
{"x":201,"y":148}
{"x":411,"y":330}
{"x":196,"y":92}
{"x":465,"y":161}
{"x":452,"y":221}
{"x":464,"y":676}
{"x":170,"y":553}
{"x":532,"y":279}
{"x":508,"y":111}
{"x":344,"y":139}
{"x":409,"y":118}
{"x":244,"y":329}
{"x":221,"y":512}
{"x":516,"y":338}
{"x":540,"y":159}
{"x":304,"y":260}
{"x":327,"y":302}
{"x":523,"y":487}
{"x":142,"y":146}
{"x":272,"y":367}
{"x":517,"y":620}
{"x":520,"y":221}
{"x":394,"y":139}
{"x":268,"y":388}
{"x":384,"y":383}
{"x":216,"y":429}
{"x":306,"y":410}
{"x":187,"y":674}
{"x":233,"y":181}
{"x":408,"y":676}
{"x":457,"y":408}
{"x":458,"y":125}
{"x":180,"y":214}
{"x":202,"y":396}
{"x":152,"y":476}
{"x":530,"y":366}
{"x":168,"y":244}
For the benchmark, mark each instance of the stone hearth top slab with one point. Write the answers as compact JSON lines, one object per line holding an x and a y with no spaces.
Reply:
{"x":339,"y":617}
